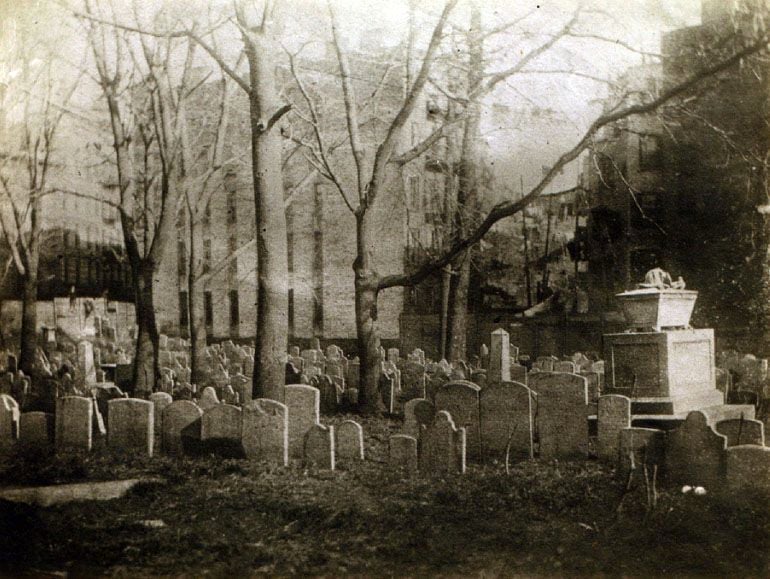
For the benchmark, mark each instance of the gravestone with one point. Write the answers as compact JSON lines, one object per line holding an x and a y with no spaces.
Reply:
{"x":499,"y":358}
{"x":131,"y":427}
{"x":413,"y":379}
{"x":418,"y":414}
{"x":349,"y":444}
{"x":74,"y":416}
{"x":461,"y":400}
{"x":564,"y":366}
{"x":613,"y":416}
{"x":387,"y":385}
{"x":180,"y":426}
{"x":519,"y":374}
{"x":242,"y":386}
{"x":393,"y":355}
{"x":645,"y":446}
{"x":329,"y":394}
{"x":292,"y":374}
{"x":221,"y":427}
{"x":748,"y":469}
{"x":303,"y":403}
{"x":507,"y":418}
{"x":86,"y":362}
{"x":319,"y":447}
{"x":265,"y":433}
{"x":35,"y":430}
{"x":209,"y":398}
{"x":442,"y":447}
{"x":352,"y":374}
{"x":562,"y":414}
{"x":160,"y":400}
{"x":695,"y":453}
{"x":593,"y":380}
{"x":741,"y":431}
{"x":9,"y":423}
{"x":229,"y":396}
{"x":402,"y":452}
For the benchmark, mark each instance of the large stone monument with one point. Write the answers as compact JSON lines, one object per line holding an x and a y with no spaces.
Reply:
{"x":662,"y":364}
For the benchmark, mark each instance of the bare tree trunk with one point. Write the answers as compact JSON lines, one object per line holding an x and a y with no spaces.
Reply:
{"x":147,"y":340}
{"x":467,"y":192}
{"x":28,"y":335}
{"x":369,"y":398}
{"x":272,"y":261}
{"x":195,"y":311}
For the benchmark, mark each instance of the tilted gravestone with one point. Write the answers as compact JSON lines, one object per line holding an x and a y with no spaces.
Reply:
{"x":695,"y":453}
{"x":74,"y":416}
{"x":303,"y":403}
{"x":181,"y":426}
{"x":613,"y":416}
{"x":742,"y":431}
{"x":221,"y":428}
{"x":418,"y":414}
{"x":209,"y":398}
{"x":349,"y":444}
{"x":319,"y":448}
{"x":402,"y":452}
{"x":461,"y":400}
{"x":564,"y":366}
{"x":36,"y":430}
{"x":562,"y":413}
{"x":639,"y":447}
{"x":160,"y":400}
{"x":442,"y":447}
{"x":131,"y":425}
{"x":265,"y":431}
{"x":507,"y":421}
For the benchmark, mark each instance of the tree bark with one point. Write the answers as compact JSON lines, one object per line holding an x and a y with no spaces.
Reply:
{"x":459,"y":310}
{"x":196,"y":316}
{"x":272,"y":261}
{"x":28,"y":320}
{"x":147,"y":339}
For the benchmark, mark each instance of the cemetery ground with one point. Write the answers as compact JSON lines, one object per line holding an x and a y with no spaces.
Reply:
{"x":235,"y":517}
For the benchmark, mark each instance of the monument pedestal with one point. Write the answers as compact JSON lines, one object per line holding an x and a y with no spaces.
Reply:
{"x":662,"y":372}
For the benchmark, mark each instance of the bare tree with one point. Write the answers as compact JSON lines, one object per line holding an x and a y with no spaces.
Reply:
{"x":30,"y":117}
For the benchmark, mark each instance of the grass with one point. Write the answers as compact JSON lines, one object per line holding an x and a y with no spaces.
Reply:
{"x":236,"y":518}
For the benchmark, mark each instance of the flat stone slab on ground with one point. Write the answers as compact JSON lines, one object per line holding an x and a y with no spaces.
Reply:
{"x":59,"y":494}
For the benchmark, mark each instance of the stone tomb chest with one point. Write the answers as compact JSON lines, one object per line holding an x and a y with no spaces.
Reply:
{"x":667,"y":372}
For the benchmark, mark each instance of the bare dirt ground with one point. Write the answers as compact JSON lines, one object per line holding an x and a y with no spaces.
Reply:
{"x":229,"y":517}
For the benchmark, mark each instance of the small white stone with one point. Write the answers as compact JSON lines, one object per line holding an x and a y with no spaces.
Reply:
{"x":686,"y":489}
{"x":700,"y":491}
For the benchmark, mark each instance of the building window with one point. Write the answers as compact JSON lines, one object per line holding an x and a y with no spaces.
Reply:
{"x":291,"y":312}
{"x":414,"y":192}
{"x":208,"y":309}
{"x":207,"y":214}
{"x":235,"y":316}
{"x":232,"y":208}
{"x":184,"y":318}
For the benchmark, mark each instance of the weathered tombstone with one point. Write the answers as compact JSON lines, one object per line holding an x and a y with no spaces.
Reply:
{"x":639,"y":447}
{"x":562,"y":413}
{"x":131,"y":427}
{"x":319,"y":447}
{"x":35,"y":430}
{"x":180,"y":426}
{"x":352,"y":374}
{"x":484,"y":355}
{"x":349,"y":444}
{"x":479,"y":377}
{"x":442,"y":447}
{"x":519,"y":374}
{"x":209,"y":398}
{"x":242,"y":386}
{"x":160,"y":400}
{"x":229,"y":395}
{"x":86,"y":362}
{"x":74,"y":416}
{"x":303,"y":403}
{"x":393,"y":355}
{"x":9,"y":423}
{"x":403,"y":452}
{"x":221,"y":428}
{"x":387,"y":385}
{"x":418,"y":414}
{"x":614,"y":415}
{"x":748,"y":468}
{"x":507,"y":420}
{"x":564,"y":366}
{"x":499,"y":358}
{"x":695,"y":453}
{"x":265,"y":432}
{"x":292,"y":374}
{"x":741,"y":431}
{"x":461,"y":400}
{"x":593,"y":380}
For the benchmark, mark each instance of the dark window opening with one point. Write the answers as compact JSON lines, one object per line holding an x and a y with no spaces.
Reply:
{"x":208,"y":309}
{"x":184,"y":318}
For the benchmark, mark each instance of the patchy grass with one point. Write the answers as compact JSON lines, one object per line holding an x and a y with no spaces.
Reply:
{"x":235,"y":517}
